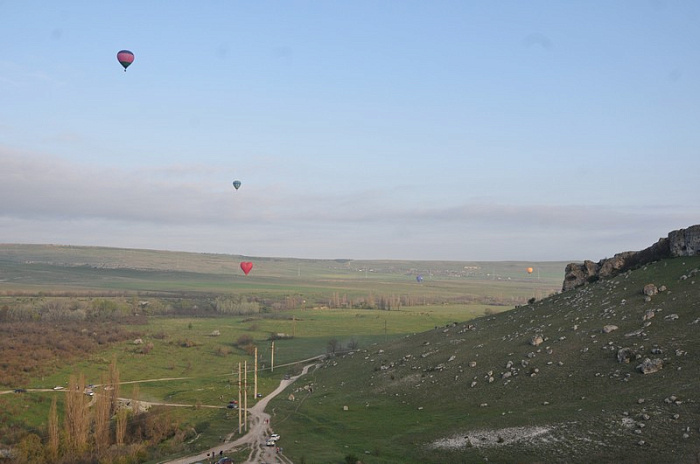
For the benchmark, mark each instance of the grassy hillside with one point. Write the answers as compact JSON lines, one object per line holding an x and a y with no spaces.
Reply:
{"x":464,"y":393}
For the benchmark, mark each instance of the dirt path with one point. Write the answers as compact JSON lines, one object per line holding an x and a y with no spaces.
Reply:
{"x":258,"y":431}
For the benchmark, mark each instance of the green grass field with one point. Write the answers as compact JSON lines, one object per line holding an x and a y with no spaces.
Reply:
{"x":187,"y":364}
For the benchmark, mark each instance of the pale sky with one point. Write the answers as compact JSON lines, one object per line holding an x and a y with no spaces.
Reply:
{"x":460,"y":130}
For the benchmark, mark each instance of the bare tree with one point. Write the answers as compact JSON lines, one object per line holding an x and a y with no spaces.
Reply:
{"x":77,"y":419}
{"x":121,"y":426}
{"x":135,"y":404}
{"x":114,"y":385}
{"x":333,"y":345}
{"x":101,"y":428}
{"x":52,"y":447}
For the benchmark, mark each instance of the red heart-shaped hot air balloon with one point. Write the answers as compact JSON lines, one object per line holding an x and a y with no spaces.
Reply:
{"x":246,"y":266}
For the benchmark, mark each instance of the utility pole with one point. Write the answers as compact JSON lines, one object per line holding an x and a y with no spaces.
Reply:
{"x":256,"y":372}
{"x":294,"y":326}
{"x":240,"y":418}
{"x":272,"y":357}
{"x":245,"y":394}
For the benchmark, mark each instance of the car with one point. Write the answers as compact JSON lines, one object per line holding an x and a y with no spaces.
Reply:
{"x":259,"y":395}
{"x":225,"y":461}
{"x":275,"y":436}
{"x":232,"y":406}
{"x":20,"y":390}
{"x":270,"y":442}
{"x":58,"y":387}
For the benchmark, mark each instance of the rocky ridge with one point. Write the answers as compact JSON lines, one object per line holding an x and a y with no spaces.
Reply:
{"x":683,"y":242}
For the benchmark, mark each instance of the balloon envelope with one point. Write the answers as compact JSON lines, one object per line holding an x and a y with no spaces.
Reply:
{"x":237,"y":184}
{"x":125,"y":58}
{"x":419,"y":278}
{"x":246,"y":266}
{"x":529,"y":270}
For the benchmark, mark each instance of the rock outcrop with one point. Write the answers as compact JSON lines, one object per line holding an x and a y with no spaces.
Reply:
{"x":683,"y":242}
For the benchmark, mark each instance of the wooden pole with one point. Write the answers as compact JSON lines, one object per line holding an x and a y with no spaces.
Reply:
{"x":272,"y":357}
{"x":240,"y":418}
{"x":245,"y":394}
{"x":256,"y":372}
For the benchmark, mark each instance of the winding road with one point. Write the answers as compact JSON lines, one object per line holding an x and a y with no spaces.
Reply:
{"x":258,"y":431}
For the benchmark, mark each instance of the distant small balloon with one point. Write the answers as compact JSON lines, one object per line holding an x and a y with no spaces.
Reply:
{"x":125,"y":58}
{"x":529,"y":270}
{"x":237,"y":184}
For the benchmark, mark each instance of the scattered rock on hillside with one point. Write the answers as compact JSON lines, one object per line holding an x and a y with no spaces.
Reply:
{"x":650,"y":290}
{"x":609,"y":328}
{"x":536,"y":340}
{"x":625,"y":355}
{"x":138,"y":341}
{"x":649,"y":366}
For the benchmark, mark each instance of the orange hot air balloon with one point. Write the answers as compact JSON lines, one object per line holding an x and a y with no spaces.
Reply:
{"x":529,"y":270}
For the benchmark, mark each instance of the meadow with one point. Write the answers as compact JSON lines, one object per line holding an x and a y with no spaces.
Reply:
{"x":180,"y":342}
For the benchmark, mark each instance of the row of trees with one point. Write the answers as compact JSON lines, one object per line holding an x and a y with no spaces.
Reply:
{"x":98,"y":428}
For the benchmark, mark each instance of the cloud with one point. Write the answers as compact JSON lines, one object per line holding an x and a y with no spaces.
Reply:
{"x":193,"y":207}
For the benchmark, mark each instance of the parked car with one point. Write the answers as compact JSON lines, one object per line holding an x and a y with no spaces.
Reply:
{"x":20,"y":390}
{"x":270,"y":442}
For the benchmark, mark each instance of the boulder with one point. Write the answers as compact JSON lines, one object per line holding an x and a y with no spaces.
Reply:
{"x":609,"y":328}
{"x":649,"y":366}
{"x":536,"y":340}
{"x":625,"y":355}
{"x":650,"y":290}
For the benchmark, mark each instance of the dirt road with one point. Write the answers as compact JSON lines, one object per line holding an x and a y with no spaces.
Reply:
{"x":258,"y":431}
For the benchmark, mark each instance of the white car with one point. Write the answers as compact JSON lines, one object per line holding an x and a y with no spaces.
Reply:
{"x":275,"y":436}
{"x":270,"y":442}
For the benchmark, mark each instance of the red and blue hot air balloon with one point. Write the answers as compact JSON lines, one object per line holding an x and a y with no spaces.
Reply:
{"x":125,"y":58}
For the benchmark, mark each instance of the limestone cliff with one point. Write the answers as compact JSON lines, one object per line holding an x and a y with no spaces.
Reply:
{"x":683,"y":242}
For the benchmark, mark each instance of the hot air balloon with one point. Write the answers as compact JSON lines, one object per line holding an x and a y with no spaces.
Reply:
{"x":529,"y":270}
{"x":419,"y":278}
{"x":246,"y":266}
{"x":125,"y":58}
{"x":237,"y":184}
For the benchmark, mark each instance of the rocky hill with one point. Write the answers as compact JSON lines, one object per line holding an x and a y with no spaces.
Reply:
{"x":683,"y":242}
{"x":602,"y":373}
